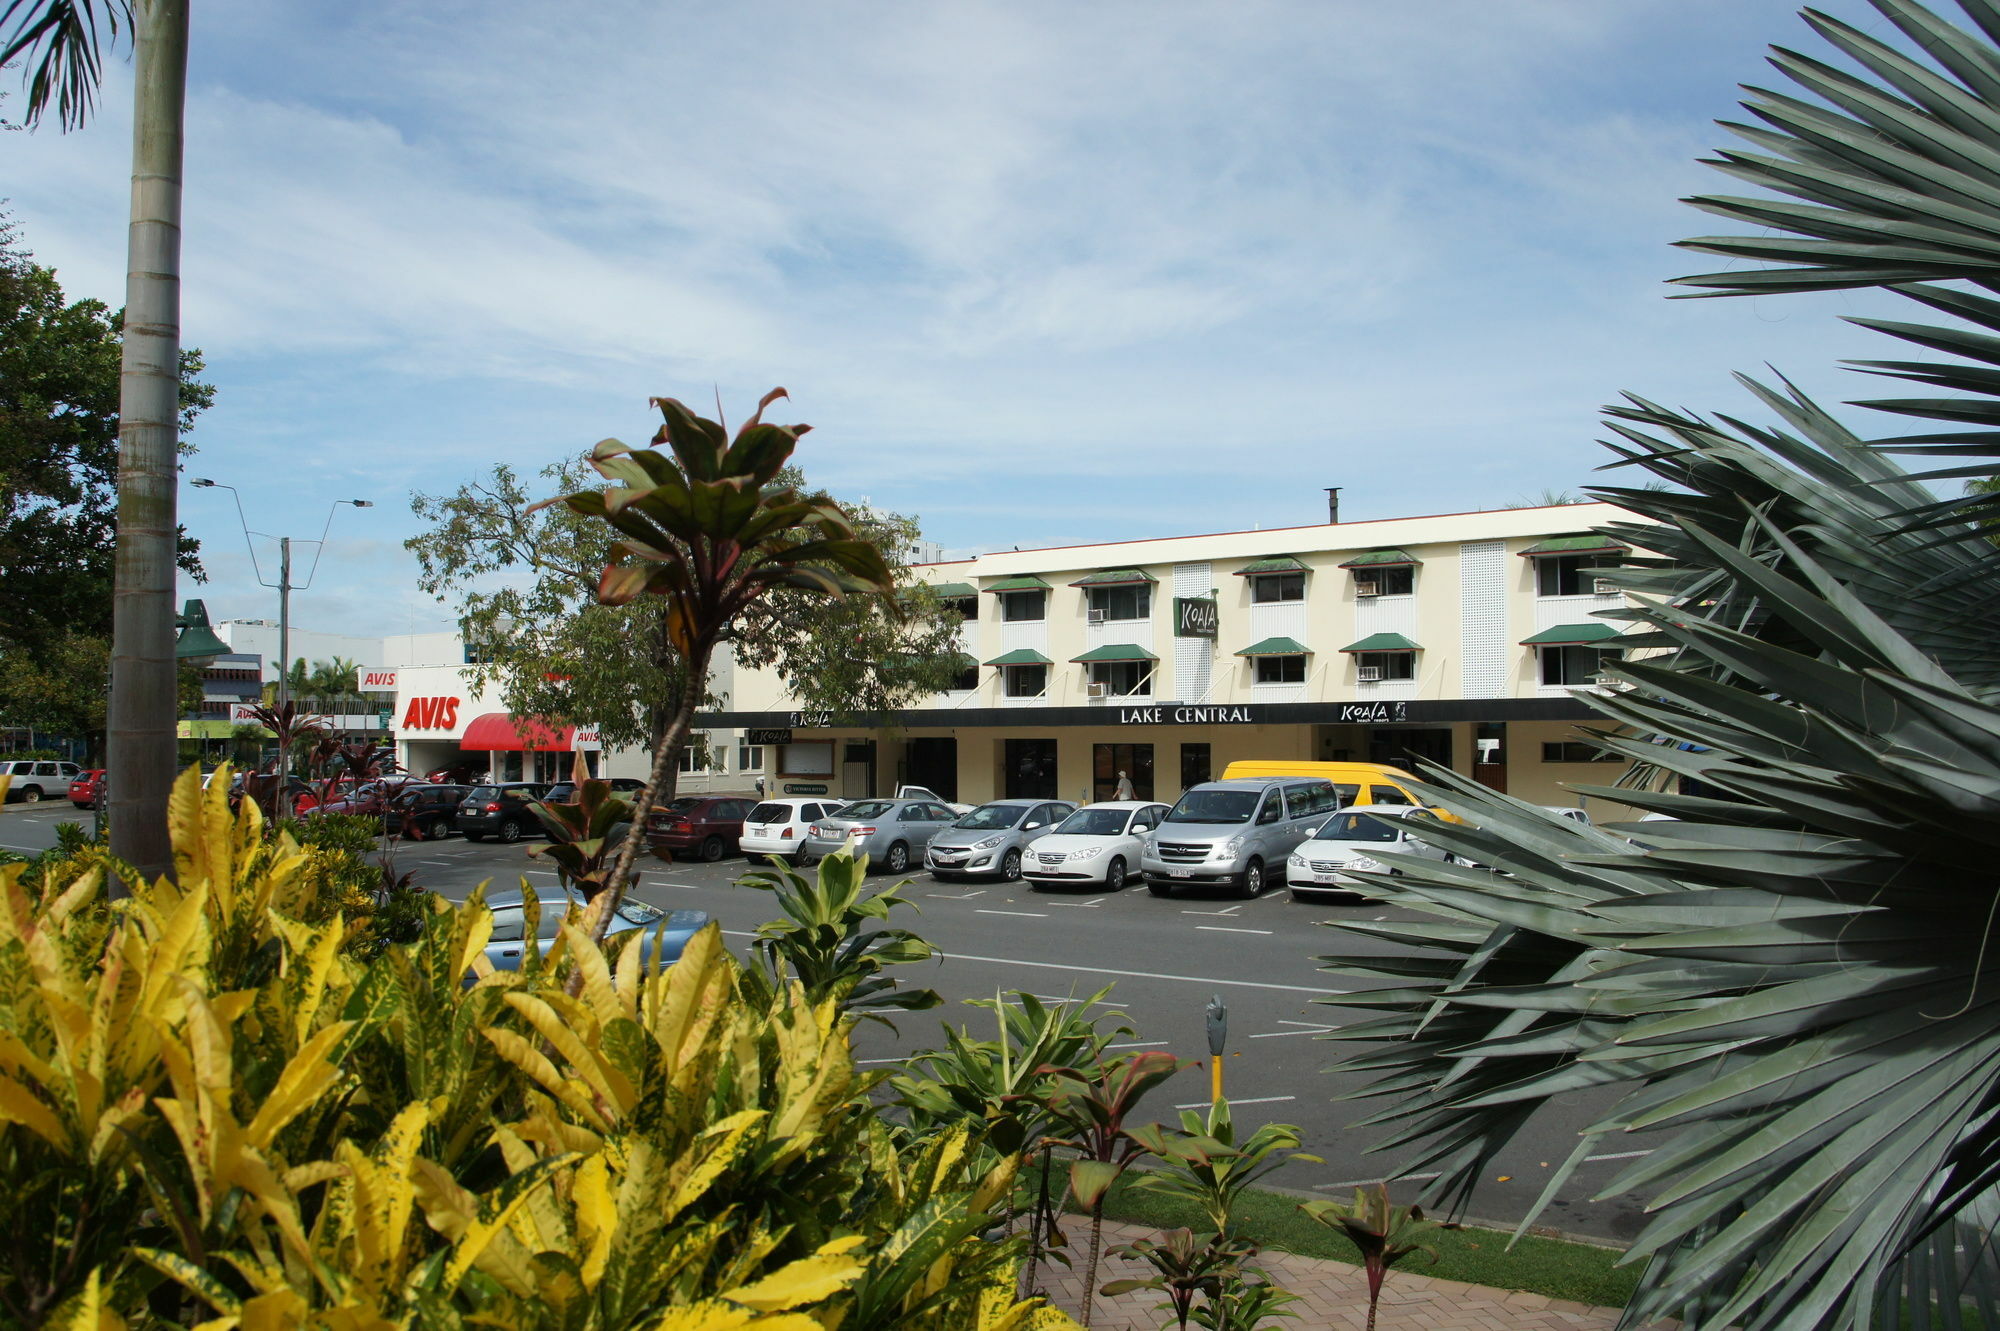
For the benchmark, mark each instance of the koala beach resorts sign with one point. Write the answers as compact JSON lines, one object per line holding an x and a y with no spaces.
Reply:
{"x":1195,"y":617}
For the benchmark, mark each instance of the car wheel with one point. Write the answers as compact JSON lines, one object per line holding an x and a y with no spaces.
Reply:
{"x":475,"y":836}
{"x":898,"y":858}
{"x":31,"y":794}
{"x":1159,"y":889}
{"x":711,"y":850}
{"x":1114,"y":875}
{"x":1253,"y":881}
{"x":1010,"y":866}
{"x":510,"y":831}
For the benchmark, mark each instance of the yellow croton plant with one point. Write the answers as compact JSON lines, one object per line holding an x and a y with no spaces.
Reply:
{"x":214,"y":1115}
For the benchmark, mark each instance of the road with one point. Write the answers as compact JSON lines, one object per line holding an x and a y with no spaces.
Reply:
{"x":1165,"y":957}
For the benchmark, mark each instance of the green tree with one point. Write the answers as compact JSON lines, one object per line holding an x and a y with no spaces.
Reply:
{"x":556,"y":651}
{"x":1792,"y":985}
{"x":61,"y":41}
{"x":57,"y":686}
{"x":59,"y":366}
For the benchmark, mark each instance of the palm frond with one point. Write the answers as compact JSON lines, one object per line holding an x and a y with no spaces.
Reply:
{"x":63,"y":42}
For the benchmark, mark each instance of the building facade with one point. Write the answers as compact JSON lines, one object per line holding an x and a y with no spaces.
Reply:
{"x":1466,"y":639}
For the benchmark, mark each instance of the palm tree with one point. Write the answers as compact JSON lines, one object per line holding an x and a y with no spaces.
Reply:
{"x":1793,"y":985}
{"x":712,"y":530}
{"x":63,"y":41}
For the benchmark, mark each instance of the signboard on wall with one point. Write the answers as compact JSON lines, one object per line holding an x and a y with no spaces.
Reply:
{"x":768,"y":737}
{"x":376,"y":679}
{"x":586,"y":741}
{"x":431,"y":714}
{"x":1195,"y":617}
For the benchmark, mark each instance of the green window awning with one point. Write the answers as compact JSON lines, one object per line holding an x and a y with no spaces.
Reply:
{"x":1122,"y":651}
{"x":1578,"y":545}
{"x":1027,"y":582}
{"x":950,"y":591}
{"x":1275,"y":564}
{"x":1116,"y":577}
{"x":1021,"y":656}
{"x":1277,"y":647}
{"x":1381,"y":559}
{"x":1383,"y":642}
{"x":1572,"y":635}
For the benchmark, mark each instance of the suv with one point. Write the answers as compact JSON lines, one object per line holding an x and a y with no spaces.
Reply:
{"x":501,"y":810}
{"x":34,"y":781}
{"x":710,"y":825}
{"x":1235,"y":832}
{"x":423,"y":813}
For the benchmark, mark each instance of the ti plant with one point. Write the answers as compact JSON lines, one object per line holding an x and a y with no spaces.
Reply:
{"x":825,"y":943}
{"x":1205,"y":1164}
{"x":1384,"y":1233}
{"x":583,"y":836}
{"x":709,"y":527}
{"x":1183,"y":1269}
{"x":1089,"y":1110}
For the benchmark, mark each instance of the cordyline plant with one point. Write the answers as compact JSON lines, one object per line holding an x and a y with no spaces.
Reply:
{"x":708,"y":528}
{"x":1794,"y":985}
{"x":1383,"y":1232}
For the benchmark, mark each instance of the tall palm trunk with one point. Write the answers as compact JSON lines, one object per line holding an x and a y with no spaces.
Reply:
{"x":140,"y":747}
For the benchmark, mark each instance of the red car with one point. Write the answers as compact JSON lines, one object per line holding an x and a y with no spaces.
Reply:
{"x":709,"y":825}
{"x":87,"y":789}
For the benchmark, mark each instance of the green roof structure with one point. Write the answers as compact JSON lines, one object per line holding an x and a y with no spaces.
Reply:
{"x":1123,"y":651}
{"x":1021,"y":656}
{"x":1381,"y":559}
{"x":1116,"y":577}
{"x":1275,"y":564}
{"x":1277,"y":647}
{"x":951,"y":591}
{"x":1572,"y":635}
{"x":1383,"y":642}
{"x":1577,"y":545}
{"x":1026,"y":582}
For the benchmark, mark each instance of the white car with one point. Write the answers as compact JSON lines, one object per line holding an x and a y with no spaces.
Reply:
{"x":1097,"y":846}
{"x":778,"y":826}
{"x":1325,"y":862}
{"x":926,"y":793}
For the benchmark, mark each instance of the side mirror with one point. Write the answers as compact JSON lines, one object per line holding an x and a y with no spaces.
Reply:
{"x":1031,"y":827}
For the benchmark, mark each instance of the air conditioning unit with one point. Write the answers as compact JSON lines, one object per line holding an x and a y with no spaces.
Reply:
{"x":1095,"y":616}
{"x":1096,"y":690}
{"x":1367,"y":674}
{"x":1604,"y":587}
{"x":1368,"y":588}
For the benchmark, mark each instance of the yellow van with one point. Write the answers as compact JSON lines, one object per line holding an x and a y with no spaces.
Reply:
{"x":1358,"y":783}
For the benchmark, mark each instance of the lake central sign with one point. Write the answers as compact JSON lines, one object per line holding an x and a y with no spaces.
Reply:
{"x":1186,"y":716}
{"x":1195,"y":617}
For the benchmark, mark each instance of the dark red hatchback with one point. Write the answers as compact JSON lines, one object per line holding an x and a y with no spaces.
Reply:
{"x":705,"y":825}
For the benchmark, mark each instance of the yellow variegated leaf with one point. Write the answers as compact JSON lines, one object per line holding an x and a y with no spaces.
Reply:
{"x":19,"y":1105}
{"x":89,"y":1309}
{"x":596,"y":1217}
{"x":305,"y":1078}
{"x":808,"y":1280}
{"x":722,"y":1317}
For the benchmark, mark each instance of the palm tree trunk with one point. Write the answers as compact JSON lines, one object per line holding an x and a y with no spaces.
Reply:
{"x":143,"y":684}
{"x":1090,"y":1267}
{"x":665,"y":752}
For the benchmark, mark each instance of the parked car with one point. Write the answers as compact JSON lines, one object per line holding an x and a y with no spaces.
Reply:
{"x":85,"y":790}
{"x":991,"y":839}
{"x":667,"y":932}
{"x":704,"y":825}
{"x":1325,"y":862}
{"x":1357,"y":783}
{"x":1235,"y":832}
{"x":423,"y":813}
{"x":890,"y":833}
{"x":32,"y":781}
{"x":778,"y":826}
{"x":500,"y":810}
{"x":564,"y":792}
{"x":926,"y":793}
{"x":1097,"y":845}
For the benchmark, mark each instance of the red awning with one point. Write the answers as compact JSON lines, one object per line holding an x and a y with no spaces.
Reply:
{"x":497,"y":730}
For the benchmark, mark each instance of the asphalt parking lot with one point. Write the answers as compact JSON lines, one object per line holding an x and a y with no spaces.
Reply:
{"x":1165,"y":957}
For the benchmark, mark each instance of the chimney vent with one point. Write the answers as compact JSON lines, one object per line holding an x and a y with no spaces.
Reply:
{"x":1333,"y":503}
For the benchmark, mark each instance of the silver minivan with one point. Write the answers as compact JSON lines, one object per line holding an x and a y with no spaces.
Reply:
{"x":1236,"y":833}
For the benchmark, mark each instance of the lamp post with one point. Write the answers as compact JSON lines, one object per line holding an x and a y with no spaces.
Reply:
{"x":284,"y":585}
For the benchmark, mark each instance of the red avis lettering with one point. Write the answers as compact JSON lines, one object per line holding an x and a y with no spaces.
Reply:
{"x":431,"y":714}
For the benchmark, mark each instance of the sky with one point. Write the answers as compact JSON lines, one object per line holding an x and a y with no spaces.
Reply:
{"x":1039,"y":273}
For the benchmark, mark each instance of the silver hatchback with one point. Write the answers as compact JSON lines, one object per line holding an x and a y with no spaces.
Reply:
{"x":666,"y":931}
{"x":989,"y":840}
{"x":891,"y":833}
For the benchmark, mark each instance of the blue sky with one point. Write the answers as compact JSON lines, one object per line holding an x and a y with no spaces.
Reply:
{"x":1040,"y":273}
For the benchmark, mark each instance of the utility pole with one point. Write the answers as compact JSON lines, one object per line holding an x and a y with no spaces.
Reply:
{"x":284,"y":619}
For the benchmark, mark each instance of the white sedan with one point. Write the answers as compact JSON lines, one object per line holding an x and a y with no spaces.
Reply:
{"x":1348,"y":842}
{"x":1097,"y":846}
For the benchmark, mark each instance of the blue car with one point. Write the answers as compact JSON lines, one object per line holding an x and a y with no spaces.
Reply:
{"x":667,"y":931}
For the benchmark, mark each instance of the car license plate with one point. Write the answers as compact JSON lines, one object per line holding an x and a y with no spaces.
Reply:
{"x":1180,"y":873}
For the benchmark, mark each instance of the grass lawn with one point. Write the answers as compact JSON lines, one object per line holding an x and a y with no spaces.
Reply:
{"x":1576,"y":1271}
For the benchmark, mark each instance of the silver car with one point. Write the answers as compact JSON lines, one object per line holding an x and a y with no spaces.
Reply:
{"x":989,"y":840}
{"x":667,"y":931}
{"x":892,"y":834}
{"x":1235,"y":832}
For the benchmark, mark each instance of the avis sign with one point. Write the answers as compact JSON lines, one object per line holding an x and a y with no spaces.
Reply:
{"x":1195,"y":617}
{"x":377,"y":679}
{"x":431,"y":714}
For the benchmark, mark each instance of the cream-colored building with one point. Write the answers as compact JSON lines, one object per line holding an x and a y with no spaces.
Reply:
{"x":1465,"y":638}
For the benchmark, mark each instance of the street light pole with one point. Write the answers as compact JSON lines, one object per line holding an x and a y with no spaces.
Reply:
{"x":285,"y":619}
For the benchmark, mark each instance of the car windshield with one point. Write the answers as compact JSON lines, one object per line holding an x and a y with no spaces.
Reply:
{"x":559,"y":793}
{"x":639,"y":912}
{"x":1214,"y":806}
{"x":769,"y":813}
{"x":483,"y":793}
{"x":685,"y":804}
{"x":867,"y":809}
{"x":1095,"y":822}
{"x":1355,"y":827}
{"x":991,"y":817}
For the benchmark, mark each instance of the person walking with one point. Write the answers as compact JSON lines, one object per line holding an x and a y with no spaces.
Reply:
{"x":1124,"y":791}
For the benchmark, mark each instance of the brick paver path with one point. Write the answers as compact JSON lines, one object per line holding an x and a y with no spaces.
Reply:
{"x":1335,"y":1295}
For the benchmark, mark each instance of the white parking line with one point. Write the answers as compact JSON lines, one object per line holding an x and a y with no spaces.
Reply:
{"x":1026,"y":914}
{"x":1260,"y":1100}
{"x":1075,"y":905}
{"x":1138,"y":1044}
{"x":1225,"y":929}
{"x":1369,"y":1182}
{"x":1619,"y":1155}
{"x":1228,"y":910}
{"x":940,"y":896}
{"x":1272,"y":1035}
